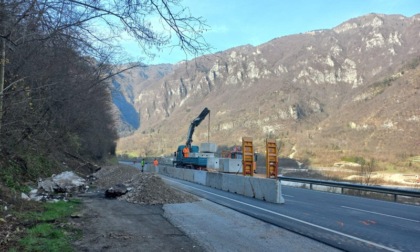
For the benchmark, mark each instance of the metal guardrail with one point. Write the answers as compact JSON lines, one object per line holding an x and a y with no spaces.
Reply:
{"x":395,"y":192}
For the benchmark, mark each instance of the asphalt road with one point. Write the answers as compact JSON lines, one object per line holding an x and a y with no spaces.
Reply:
{"x":341,"y":221}
{"x":218,"y":228}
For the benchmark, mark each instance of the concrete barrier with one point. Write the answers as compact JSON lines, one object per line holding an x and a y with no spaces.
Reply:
{"x":259,"y":188}
{"x":267,"y":189}
{"x":188,"y":174}
{"x":234,"y":183}
{"x":214,"y":180}
{"x":200,"y":177}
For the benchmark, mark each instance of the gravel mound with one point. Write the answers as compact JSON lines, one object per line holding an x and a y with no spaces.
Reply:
{"x":143,"y":188}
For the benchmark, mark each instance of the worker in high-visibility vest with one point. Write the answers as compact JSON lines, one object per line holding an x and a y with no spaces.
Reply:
{"x":186,"y":151}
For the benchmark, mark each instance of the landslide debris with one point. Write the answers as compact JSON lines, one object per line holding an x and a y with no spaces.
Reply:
{"x":143,"y":188}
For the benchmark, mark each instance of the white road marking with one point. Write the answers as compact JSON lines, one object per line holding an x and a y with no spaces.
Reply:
{"x":292,"y":218}
{"x":393,"y":216}
{"x":285,"y":195}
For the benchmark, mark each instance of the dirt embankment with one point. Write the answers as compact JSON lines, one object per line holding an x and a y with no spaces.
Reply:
{"x":133,"y":222}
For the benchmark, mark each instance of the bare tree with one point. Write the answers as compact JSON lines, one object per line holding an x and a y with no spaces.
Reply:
{"x":91,"y":26}
{"x":366,"y":171}
{"x":57,"y":58}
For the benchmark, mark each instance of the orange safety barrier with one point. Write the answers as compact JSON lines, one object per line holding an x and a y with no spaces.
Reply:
{"x":247,"y":156}
{"x":271,"y":159}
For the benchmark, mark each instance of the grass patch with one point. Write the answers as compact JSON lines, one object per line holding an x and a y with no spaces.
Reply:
{"x":46,"y":237}
{"x":55,"y":211}
{"x":47,"y":230}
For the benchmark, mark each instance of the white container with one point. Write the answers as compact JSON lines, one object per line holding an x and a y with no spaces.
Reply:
{"x":208,"y":148}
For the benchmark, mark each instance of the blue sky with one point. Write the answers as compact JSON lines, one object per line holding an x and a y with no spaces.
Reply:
{"x":239,"y":22}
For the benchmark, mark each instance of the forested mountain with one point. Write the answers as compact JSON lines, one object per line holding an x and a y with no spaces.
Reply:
{"x":324,"y":94}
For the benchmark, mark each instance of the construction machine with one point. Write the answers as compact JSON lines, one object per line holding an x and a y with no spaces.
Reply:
{"x":195,"y":159}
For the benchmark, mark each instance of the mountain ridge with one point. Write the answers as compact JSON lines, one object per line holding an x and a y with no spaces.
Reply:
{"x":286,"y":88}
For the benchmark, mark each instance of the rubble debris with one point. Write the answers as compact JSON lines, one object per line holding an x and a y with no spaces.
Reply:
{"x":58,"y":187}
{"x":64,"y":182}
{"x":116,"y":191}
{"x":143,"y":188}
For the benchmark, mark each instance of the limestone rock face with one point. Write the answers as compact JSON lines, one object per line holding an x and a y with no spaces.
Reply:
{"x":301,"y":88}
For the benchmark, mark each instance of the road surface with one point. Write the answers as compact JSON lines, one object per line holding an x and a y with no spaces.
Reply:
{"x":345,"y":222}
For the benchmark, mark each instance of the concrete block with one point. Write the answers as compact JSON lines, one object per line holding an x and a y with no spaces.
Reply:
{"x":233,"y":183}
{"x":200,"y":177}
{"x":174,"y":172}
{"x":213,"y":162}
{"x":214,"y":180}
{"x":250,"y":188}
{"x":178,"y":173}
{"x":208,"y":147}
{"x":167,"y":171}
{"x":280,"y":198}
{"x":188,"y":174}
{"x":265,"y":189}
{"x":259,"y":188}
{"x":231,"y":165}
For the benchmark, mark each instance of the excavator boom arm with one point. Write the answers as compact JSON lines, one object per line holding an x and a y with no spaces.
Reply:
{"x":194,"y":124}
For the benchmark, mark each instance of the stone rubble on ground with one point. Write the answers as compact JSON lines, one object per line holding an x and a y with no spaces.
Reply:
{"x":65,"y":182}
{"x":122,"y":182}
{"x":58,"y":187}
{"x":142,"y":188}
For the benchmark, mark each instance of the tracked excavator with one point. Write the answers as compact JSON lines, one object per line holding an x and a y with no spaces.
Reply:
{"x":192,"y":159}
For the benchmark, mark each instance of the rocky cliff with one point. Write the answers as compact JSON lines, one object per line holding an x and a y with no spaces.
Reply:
{"x":351,"y":90}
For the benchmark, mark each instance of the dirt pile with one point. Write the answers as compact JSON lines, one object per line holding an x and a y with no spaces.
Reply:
{"x":143,"y":188}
